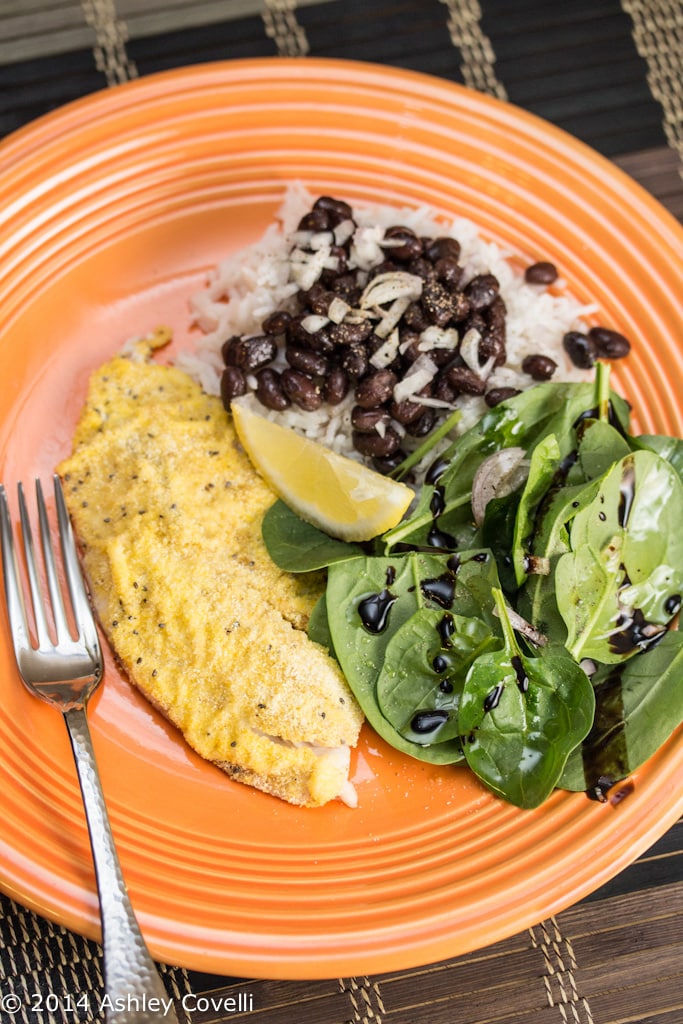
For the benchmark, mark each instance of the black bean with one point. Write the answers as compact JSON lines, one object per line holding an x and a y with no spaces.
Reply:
{"x":316,"y":220}
{"x":439,"y":248}
{"x":348,"y":288}
{"x":389,"y":463}
{"x":365,"y":421}
{"x":406,"y":411}
{"x":253,"y":353}
{"x":227,"y":349}
{"x":320,"y":300}
{"x":448,"y":272}
{"x":495,"y":315}
{"x":492,"y":346}
{"x":387,"y":266}
{"x":411,"y":246}
{"x":609,"y":344}
{"x":233,"y":384}
{"x":349,"y":333}
{"x":542,"y":272}
{"x":476,"y":321}
{"x":461,"y":307}
{"x":424,"y":425}
{"x":306,"y":360}
{"x":269,"y":390}
{"x":375,"y":389}
{"x":308,"y":297}
{"x":416,"y":317}
{"x":301,"y":389}
{"x":443,"y":389}
{"x":329,"y":273}
{"x":375,"y":445}
{"x":336,"y":386}
{"x":437,"y":303}
{"x":409,"y":344}
{"x":277,"y":322}
{"x":482,"y":290}
{"x":539,"y":367}
{"x":497,"y":395}
{"x":465,"y":381}
{"x":423,"y":268}
{"x":337,"y":209}
{"x":354,"y":360}
{"x":580,"y":349}
{"x":299,"y":337}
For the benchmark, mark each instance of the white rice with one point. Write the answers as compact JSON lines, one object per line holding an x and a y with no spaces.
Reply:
{"x":245,"y":288}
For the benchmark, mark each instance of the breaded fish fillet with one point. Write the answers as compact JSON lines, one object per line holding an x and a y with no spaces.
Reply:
{"x":168,"y":511}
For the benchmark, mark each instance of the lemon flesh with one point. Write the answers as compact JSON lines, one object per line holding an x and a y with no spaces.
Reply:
{"x":340,"y":496}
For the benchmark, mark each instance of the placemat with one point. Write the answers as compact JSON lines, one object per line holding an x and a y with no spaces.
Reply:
{"x":610,"y":73}
{"x":615,"y":957}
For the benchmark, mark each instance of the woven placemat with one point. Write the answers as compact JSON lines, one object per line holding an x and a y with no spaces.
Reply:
{"x":607,"y":71}
{"x":614,"y":958}
{"x":610,"y":73}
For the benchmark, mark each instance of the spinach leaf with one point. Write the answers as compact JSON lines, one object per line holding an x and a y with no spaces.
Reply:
{"x":537,"y":600}
{"x":497,"y":533}
{"x":638,"y":705}
{"x":669,"y":448}
{"x":571,"y":488}
{"x":424,"y":670}
{"x":297,"y":546}
{"x":600,"y":446}
{"x":319,"y":627}
{"x":372,"y":597}
{"x":616,"y":586}
{"x":520,"y":717}
{"x":522,"y":421}
{"x":451,"y":490}
{"x":542,"y":470}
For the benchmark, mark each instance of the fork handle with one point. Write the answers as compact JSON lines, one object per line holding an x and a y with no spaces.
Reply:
{"x":134,"y":992}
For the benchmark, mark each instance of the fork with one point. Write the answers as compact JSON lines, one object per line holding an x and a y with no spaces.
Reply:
{"x":66,"y":673}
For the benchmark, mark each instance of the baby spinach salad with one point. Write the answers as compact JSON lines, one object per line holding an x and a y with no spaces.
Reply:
{"x":520,"y":618}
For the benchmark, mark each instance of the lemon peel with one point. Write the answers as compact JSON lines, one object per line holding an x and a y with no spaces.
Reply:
{"x":340,"y":496}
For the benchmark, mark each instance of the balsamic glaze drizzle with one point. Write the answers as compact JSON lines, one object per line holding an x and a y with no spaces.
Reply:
{"x":374,"y":609}
{"x":426,"y":722}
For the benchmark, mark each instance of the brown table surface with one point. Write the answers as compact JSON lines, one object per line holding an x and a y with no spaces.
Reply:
{"x":610,"y":73}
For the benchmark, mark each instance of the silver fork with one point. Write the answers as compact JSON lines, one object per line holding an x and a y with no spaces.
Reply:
{"x":65,"y":673}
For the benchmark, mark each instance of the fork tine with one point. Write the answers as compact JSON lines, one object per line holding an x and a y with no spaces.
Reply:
{"x":39,"y":611}
{"x":16,"y":609}
{"x":56,"y":600}
{"x":82,"y":610}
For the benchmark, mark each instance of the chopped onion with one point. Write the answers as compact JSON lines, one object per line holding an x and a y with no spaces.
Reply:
{"x":343,"y":231}
{"x":338,"y":309}
{"x":365,"y":249}
{"x":498,"y":475}
{"x":438,"y":337}
{"x":421,"y":373}
{"x":306,"y":267}
{"x":301,"y":239}
{"x":321,"y":240}
{"x":387,"y":352}
{"x":314,"y":323}
{"x":395,"y":284}
{"x":435,"y":403}
{"x":391,"y":316}
{"x":469,"y":350}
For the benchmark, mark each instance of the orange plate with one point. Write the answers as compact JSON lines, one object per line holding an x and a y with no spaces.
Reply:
{"x":114,"y":208}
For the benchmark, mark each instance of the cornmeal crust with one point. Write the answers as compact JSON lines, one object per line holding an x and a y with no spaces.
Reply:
{"x":168,"y":511}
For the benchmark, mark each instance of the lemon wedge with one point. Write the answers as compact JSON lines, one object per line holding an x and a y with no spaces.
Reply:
{"x":342,"y":497}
